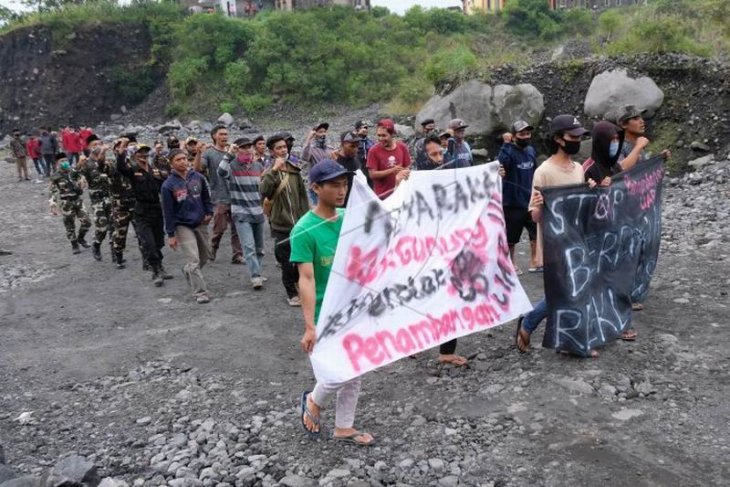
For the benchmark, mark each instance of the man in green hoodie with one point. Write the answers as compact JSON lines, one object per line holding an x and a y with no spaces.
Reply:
{"x":285,"y":201}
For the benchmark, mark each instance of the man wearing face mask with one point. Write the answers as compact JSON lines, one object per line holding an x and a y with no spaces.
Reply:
{"x":559,"y":169}
{"x":315,"y":150}
{"x":607,"y":144}
{"x":243,"y":176}
{"x":518,"y":160}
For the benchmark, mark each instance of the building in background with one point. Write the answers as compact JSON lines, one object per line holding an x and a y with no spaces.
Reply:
{"x":472,"y":6}
{"x":297,"y":4}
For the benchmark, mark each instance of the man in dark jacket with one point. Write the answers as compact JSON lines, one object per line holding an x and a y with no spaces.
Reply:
{"x":348,"y":157}
{"x":188,"y":209}
{"x":519,"y":160}
{"x":146,"y":182}
{"x":49,"y":149}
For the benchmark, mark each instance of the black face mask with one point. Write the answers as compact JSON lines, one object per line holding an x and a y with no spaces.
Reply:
{"x":522,"y":143}
{"x":571,"y":147}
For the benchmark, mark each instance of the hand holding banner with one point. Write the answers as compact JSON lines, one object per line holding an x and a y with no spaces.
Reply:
{"x":427,"y":265}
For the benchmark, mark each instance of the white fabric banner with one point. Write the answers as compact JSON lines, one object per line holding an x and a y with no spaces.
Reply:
{"x":427,"y":265}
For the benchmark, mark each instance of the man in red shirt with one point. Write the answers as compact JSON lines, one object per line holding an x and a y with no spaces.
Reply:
{"x":386,"y":159}
{"x":84,"y":134}
{"x":33,"y":148}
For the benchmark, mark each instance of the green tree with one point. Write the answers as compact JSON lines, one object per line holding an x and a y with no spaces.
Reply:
{"x":609,"y":22}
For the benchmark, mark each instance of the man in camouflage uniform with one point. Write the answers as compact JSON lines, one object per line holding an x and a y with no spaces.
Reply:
{"x":66,"y":190}
{"x":122,"y":213}
{"x":96,"y":170}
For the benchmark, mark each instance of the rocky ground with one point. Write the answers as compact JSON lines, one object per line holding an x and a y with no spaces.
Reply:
{"x":153,"y":389}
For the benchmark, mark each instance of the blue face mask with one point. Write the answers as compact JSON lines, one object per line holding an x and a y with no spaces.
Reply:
{"x":613,"y":149}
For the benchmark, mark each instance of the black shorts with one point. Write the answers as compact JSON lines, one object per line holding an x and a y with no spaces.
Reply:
{"x":515,"y":220}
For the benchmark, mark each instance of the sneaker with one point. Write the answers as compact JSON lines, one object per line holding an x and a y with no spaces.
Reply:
{"x":294,"y":301}
{"x":238,"y":259}
{"x":157,"y":279}
{"x":83,"y":243}
{"x":202,"y":298}
{"x":257,"y":283}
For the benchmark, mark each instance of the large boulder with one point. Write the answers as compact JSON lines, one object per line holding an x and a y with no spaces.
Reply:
{"x":226,"y":119}
{"x":484,"y":108}
{"x":613,"y":89}
{"x":75,"y":471}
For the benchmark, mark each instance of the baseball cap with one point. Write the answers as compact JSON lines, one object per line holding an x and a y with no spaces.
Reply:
{"x":568,"y":124}
{"x":361,"y":123}
{"x":191,"y":140}
{"x":627,"y":112}
{"x":323,"y":125}
{"x":60,"y":156}
{"x":325,"y":170}
{"x":444,"y":134}
{"x":348,"y":136}
{"x":427,"y":121}
{"x":143,"y":148}
{"x":521,"y":125}
{"x":284,"y":135}
{"x":457,"y":124}
{"x":91,"y":138}
{"x":243,"y":141}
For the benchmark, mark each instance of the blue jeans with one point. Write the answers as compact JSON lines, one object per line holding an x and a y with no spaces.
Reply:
{"x":252,"y":241}
{"x":534,"y":317}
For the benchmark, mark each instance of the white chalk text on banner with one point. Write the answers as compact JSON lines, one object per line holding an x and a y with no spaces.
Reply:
{"x":427,"y":265}
{"x":601,"y":249}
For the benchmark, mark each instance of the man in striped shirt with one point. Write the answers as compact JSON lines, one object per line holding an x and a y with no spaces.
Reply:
{"x":242,"y":174}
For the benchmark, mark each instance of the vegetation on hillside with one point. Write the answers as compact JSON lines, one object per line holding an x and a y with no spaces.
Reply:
{"x":341,"y":55}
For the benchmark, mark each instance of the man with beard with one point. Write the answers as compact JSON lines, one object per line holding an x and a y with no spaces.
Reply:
{"x":146,"y":182}
{"x":222,"y":218}
{"x":315,"y":150}
{"x":285,"y":201}
{"x":518,"y":161}
{"x":96,"y":170}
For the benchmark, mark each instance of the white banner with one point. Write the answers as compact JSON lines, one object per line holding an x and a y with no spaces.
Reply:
{"x":427,"y":265}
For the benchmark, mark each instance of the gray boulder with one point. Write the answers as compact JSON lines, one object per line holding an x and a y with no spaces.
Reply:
{"x":701,"y":162}
{"x":74,"y":470}
{"x":6,"y":473}
{"x":485,"y":108}
{"x":226,"y":119}
{"x":24,"y":481}
{"x":404,"y":131}
{"x":613,"y":89}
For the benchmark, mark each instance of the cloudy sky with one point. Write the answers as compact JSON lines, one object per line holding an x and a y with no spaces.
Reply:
{"x":397,"y":6}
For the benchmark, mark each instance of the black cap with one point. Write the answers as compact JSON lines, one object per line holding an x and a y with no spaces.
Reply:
{"x":349,"y":136}
{"x":361,"y":123}
{"x":91,"y":138}
{"x":568,"y":124}
{"x":626,"y":113}
{"x":323,"y":125}
{"x":427,"y":121}
{"x":243,"y":141}
{"x":521,"y":125}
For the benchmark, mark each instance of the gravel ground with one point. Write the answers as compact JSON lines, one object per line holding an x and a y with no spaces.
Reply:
{"x":156,"y":390}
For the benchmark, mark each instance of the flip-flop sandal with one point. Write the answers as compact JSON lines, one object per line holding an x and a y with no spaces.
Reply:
{"x":628,"y":336}
{"x":533,"y":270}
{"x":637,"y":307}
{"x":518,"y":337}
{"x":352,"y":439}
{"x":305,"y":411}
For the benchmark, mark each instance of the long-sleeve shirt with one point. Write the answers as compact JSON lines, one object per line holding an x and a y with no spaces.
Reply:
{"x":33,"y":147}
{"x":519,"y":167}
{"x":243,"y":187}
{"x":17,"y":147}
{"x":185,"y":201}
{"x":49,"y":144}
{"x":146,"y":183}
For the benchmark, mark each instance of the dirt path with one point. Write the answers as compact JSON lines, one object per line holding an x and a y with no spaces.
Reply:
{"x":115,"y":368}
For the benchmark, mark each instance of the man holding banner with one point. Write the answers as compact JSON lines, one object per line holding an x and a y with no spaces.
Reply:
{"x":558,"y":170}
{"x":313,"y":244}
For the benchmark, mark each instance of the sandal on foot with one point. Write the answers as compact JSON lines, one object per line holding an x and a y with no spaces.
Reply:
{"x":629,"y":336}
{"x":305,"y":412}
{"x":637,"y":307}
{"x":522,"y":344}
{"x":353,"y":439}
{"x":534,"y":269}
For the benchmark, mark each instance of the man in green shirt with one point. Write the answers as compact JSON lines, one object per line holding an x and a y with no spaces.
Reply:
{"x":313,"y":244}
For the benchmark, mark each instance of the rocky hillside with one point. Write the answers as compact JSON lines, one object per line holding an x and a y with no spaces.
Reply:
{"x":81,"y":77}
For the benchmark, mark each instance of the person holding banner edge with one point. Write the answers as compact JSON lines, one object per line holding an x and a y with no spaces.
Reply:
{"x":313,"y":243}
{"x":558,"y":170}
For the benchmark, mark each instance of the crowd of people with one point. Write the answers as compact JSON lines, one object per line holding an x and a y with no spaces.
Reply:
{"x":193,"y":193}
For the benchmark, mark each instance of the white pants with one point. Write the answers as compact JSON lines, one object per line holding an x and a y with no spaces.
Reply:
{"x":347,"y":396}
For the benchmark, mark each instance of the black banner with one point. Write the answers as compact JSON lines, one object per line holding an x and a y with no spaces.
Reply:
{"x":600,"y":251}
